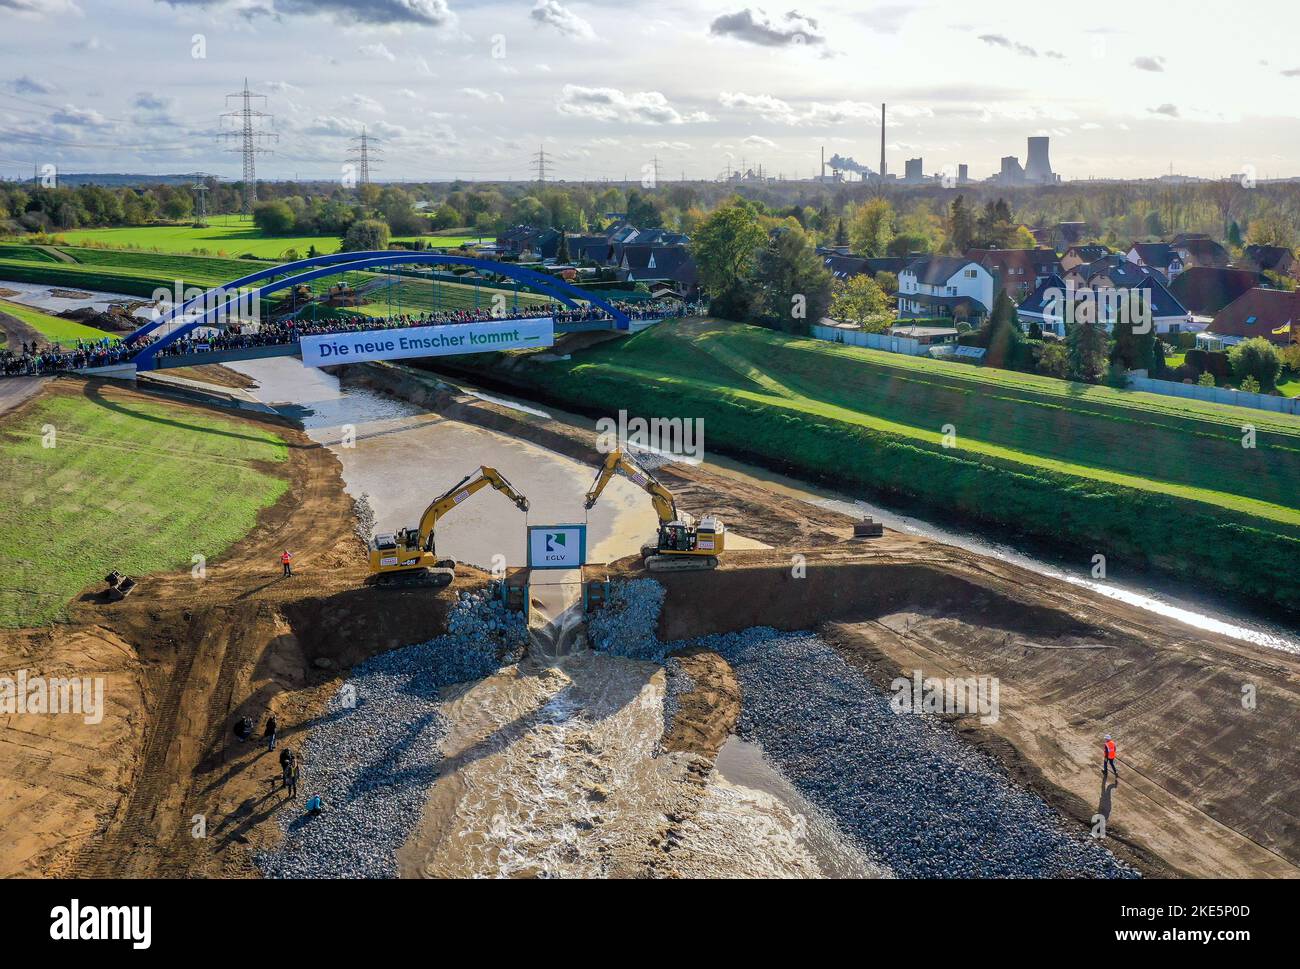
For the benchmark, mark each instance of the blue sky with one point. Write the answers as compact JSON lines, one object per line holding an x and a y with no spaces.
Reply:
{"x":472,"y":88}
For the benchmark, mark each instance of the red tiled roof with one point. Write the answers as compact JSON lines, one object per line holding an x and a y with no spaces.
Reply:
{"x":1261,"y":312}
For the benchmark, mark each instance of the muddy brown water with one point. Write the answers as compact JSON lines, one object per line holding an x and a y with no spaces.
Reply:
{"x":552,"y":767}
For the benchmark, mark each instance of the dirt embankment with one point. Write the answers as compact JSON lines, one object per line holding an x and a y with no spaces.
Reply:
{"x":184,"y":660}
{"x":1206,"y":787}
{"x":1207,"y":790}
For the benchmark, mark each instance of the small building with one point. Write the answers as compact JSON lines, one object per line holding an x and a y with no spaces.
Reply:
{"x":1159,"y":256}
{"x":945,"y":287}
{"x":1270,"y":313}
{"x":1017,"y":271}
{"x":1205,"y":253}
{"x":1270,"y":259}
{"x":1056,"y":304}
{"x":926,"y":336}
{"x":1082,"y":256}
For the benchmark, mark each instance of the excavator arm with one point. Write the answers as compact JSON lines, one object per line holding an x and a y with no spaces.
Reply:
{"x":616,"y":462}
{"x":458,"y":493}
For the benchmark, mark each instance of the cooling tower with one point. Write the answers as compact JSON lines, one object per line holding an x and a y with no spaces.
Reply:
{"x":1037,"y":166}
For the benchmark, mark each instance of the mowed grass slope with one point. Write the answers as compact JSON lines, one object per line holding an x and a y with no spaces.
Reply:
{"x":130,"y":485}
{"x":1146,"y":480}
{"x":234,"y":238}
{"x":53,"y":328}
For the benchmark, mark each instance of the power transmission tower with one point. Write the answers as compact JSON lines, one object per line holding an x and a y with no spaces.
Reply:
{"x":200,"y":202}
{"x":364,"y":148}
{"x":539,"y":160}
{"x":250,"y":135}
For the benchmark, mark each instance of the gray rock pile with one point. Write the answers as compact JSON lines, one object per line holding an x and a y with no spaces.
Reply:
{"x":903,"y":786}
{"x":378,"y":747}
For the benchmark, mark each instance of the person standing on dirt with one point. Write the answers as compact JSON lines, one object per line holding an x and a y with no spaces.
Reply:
{"x":272,"y":725}
{"x":285,"y":559}
{"x":1108,"y":759}
{"x":292,"y":775}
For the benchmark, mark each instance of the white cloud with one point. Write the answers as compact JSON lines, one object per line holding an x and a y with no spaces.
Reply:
{"x":378,"y":51}
{"x":482,"y":95}
{"x":754,"y":26}
{"x":553,"y":14}
{"x":612,"y":104}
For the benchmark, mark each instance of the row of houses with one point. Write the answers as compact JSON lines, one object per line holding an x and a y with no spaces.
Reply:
{"x":1186,"y":285}
{"x":658,"y":258}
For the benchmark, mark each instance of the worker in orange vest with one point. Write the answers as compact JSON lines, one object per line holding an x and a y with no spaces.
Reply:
{"x":1108,"y":759}
{"x":285,"y":559}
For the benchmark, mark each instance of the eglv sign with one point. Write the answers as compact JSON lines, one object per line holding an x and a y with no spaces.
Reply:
{"x":427,"y":341}
{"x":557,"y":546}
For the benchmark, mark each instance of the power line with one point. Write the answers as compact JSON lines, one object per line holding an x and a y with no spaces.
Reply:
{"x":363,"y":148}
{"x":539,"y":160}
{"x":250,"y":137}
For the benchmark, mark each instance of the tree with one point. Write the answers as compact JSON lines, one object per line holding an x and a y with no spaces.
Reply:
{"x":1052,"y":359}
{"x":1086,"y":351}
{"x":1001,"y":332}
{"x":562,"y":250}
{"x":841,"y":234}
{"x":794,"y":287}
{"x":724,"y":248}
{"x":1255,"y":358}
{"x":860,"y":299}
{"x":961,"y":226}
{"x":1250,"y":385}
{"x":366,"y":235}
{"x":273,"y":218}
{"x":642,"y":211}
{"x":1271,"y":229}
{"x":1205,"y":380}
{"x":871,"y":226}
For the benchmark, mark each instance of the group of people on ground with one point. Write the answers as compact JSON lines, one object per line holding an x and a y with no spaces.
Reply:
{"x":290,"y":767}
{"x":34,"y":359}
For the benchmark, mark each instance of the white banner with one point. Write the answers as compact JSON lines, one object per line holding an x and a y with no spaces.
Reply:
{"x":427,"y":341}
{"x":557,"y":546}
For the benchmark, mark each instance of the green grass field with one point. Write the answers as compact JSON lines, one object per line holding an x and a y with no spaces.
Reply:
{"x":53,"y":328}
{"x":1142,"y":477}
{"x":138,"y":487}
{"x":224,"y":237}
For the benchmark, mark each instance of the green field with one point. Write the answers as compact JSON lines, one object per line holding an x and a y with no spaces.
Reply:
{"x":137,"y":487}
{"x":223,"y":238}
{"x":1144,"y":479}
{"x":53,"y":328}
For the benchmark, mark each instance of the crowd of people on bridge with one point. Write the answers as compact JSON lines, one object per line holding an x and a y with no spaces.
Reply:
{"x":34,"y":360}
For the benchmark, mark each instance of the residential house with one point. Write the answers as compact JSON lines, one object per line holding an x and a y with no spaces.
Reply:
{"x":1205,"y":291}
{"x":1273,"y":314}
{"x":1082,"y":256}
{"x":846,"y":266}
{"x":945,"y":287}
{"x":1055,"y":304}
{"x":671,"y":265}
{"x":1159,"y":256}
{"x":1201,"y":252}
{"x":1017,"y":271}
{"x":1271,"y":259}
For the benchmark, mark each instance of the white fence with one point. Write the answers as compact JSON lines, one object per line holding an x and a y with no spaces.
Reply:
{"x":1217,"y":395}
{"x":876,"y":341}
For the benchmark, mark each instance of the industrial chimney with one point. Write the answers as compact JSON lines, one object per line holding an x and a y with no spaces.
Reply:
{"x":1037,"y":166}
{"x":883,"y":170}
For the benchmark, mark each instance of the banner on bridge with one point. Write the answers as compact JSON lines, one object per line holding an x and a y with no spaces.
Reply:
{"x":427,"y":341}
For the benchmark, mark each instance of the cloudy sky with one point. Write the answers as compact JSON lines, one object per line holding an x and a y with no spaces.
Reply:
{"x":473,"y":88}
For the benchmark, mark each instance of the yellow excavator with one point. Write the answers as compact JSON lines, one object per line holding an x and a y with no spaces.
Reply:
{"x":407,"y":558}
{"x":683,"y":544}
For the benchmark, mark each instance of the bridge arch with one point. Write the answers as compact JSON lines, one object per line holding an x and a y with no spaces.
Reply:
{"x":566,"y":293}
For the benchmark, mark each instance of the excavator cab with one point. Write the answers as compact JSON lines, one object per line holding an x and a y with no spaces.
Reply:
{"x":681,"y":544}
{"x":408,"y":558}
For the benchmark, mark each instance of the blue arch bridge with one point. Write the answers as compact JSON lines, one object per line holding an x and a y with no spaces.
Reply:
{"x":220,"y":304}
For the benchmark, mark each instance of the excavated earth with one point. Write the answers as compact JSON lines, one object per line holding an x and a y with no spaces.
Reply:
{"x":1208,"y":787}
